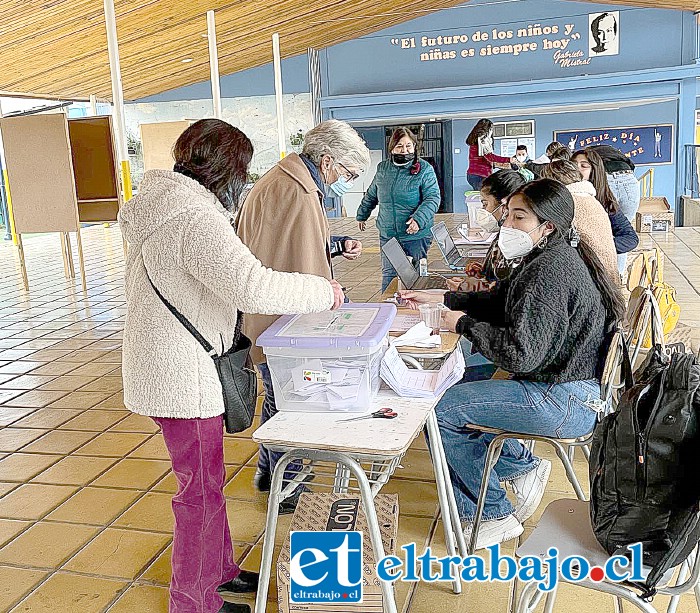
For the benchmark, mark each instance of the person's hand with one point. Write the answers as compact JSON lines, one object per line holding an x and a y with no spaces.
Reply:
{"x":454,"y":284}
{"x":352,"y":249}
{"x":517,"y":162}
{"x":412,"y":226}
{"x":338,"y":295}
{"x":412,"y":298}
{"x":362,"y":225}
{"x":450,"y":319}
{"x":473,"y":269}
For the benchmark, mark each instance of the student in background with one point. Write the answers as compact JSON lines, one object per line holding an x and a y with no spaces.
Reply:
{"x":592,"y":168}
{"x":553,"y":153}
{"x":590,"y":218}
{"x":521,"y":154}
{"x":547,"y":325}
{"x":283,"y":222}
{"x":619,"y":170}
{"x":482,"y":159}
{"x":407,"y":193}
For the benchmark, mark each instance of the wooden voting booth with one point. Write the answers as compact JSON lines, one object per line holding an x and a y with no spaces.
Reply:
{"x":60,"y":173}
{"x":158,"y":140}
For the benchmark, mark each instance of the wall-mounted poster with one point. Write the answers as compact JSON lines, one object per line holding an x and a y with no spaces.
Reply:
{"x":604,"y":34}
{"x":644,"y":145}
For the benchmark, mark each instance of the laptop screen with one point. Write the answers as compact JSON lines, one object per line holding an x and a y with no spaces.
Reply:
{"x":393,"y":250}
{"x":444,"y":240}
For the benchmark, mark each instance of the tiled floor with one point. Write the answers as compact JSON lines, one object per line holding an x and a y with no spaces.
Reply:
{"x":85,"y":486}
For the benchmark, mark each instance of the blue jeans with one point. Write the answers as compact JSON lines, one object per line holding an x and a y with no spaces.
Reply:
{"x":475,"y":181}
{"x":625,"y":188}
{"x":556,"y":410}
{"x":267,"y":460}
{"x":416,"y":248}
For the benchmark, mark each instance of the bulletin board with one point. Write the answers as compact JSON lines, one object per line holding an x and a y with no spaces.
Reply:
{"x":158,"y":140}
{"x":40,"y":173}
{"x":95,"y":168}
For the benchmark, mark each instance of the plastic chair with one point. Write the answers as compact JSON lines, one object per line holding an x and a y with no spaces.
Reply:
{"x":567,"y":524}
{"x":561,"y":447}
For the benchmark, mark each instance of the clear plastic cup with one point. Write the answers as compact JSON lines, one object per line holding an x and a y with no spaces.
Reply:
{"x":473,"y":208}
{"x":431,"y":316}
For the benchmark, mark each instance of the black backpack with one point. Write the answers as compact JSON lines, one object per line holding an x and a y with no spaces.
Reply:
{"x":643,"y":464}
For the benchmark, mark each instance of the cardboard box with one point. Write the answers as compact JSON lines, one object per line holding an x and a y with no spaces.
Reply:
{"x":654,"y":215}
{"x":318,"y":512}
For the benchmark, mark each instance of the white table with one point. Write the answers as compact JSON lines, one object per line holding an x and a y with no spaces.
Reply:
{"x":323,"y":437}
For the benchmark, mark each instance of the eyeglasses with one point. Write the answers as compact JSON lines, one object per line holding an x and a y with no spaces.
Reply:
{"x":350,"y":176}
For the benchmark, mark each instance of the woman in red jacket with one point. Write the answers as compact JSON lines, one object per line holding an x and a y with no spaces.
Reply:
{"x":482,"y":159}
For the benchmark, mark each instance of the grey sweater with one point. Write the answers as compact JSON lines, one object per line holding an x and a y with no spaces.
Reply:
{"x":545,"y":323}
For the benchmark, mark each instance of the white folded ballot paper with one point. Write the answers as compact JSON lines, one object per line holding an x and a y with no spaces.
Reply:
{"x":411,"y":383}
{"x":418,"y":336}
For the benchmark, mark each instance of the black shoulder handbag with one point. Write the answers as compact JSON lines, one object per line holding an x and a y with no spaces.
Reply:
{"x":238,"y":381}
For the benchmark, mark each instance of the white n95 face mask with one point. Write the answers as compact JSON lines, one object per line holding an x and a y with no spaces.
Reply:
{"x":486,"y":220}
{"x":515,"y":243}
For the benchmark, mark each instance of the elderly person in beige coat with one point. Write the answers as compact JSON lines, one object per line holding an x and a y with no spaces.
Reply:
{"x":283,"y":222}
{"x":181,"y":240}
{"x":590,"y":218}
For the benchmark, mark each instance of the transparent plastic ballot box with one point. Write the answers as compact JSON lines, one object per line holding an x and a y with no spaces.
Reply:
{"x":328,"y":361}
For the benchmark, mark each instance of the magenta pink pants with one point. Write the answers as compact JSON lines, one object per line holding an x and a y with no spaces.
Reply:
{"x":202,"y":555}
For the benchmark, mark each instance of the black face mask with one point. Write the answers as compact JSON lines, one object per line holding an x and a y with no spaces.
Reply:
{"x":401,"y":158}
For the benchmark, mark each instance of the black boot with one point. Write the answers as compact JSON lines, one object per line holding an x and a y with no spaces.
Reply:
{"x":232,"y":607}
{"x":262,"y":480}
{"x":245,"y":583}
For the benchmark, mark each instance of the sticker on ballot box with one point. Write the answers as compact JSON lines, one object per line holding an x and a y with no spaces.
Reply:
{"x":317,"y":376}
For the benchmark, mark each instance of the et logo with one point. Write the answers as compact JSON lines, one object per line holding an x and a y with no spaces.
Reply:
{"x":326,"y":567}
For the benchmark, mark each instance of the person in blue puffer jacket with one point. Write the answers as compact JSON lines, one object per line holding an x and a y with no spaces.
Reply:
{"x":407,"y":192}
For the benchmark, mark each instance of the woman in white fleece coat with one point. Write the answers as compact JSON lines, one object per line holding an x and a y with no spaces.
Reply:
{"x":590,"y":218}
{"x":180,"y":236}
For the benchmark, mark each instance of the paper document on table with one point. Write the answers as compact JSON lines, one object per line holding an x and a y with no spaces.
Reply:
{"x":482,"y":238}
{"x":421,"y":383}
{"x":418,"y":336}
{"x":404,"y":322}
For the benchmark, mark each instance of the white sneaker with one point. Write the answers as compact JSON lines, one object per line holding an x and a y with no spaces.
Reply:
{"x":494,"y":531}
{"x":529,"y":490}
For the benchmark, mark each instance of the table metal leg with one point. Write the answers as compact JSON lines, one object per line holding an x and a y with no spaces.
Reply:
{"x":448,"y":508}
{"x":273,"y":502}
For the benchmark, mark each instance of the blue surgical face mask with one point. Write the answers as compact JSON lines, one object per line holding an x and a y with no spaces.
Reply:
{"x":340,"y":187}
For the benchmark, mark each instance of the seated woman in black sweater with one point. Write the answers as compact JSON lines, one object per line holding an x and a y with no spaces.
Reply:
{"x":546,"y":325}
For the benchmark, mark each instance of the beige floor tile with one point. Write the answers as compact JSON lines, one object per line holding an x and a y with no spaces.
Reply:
{"x":168,"y":484}
{"x":160,"y":571}
{"x":10,"y":415}
{"x":119,"y":553}
{"x":241,"y":486}
{"x":132,"y":473}
{"x":8,"y":395}
{"x":12,"y":439}
{"x":55,"y":369}
{"x":33,"y":501}
{"x":47,"y":418}
{"x":22,"y":367}
{"x":153,"y":449}
{"x":15,"y":583}
{"x":10,"y":528}
{"x":59,"y":441}
{"x":94,"y":420}
{"x":29,"y":382}
{"x":68,"y":383}
{"x":142,"y":598}
{"x":80,"y":400}
{"x":152,"y":513}
{"x":36,"y":399}
{"x":23,"y":466}
{"x":246,"y":519}
{"x":115,"y":401}
{"x":113,"y":444}
{"x":46,"y":544}
{"x":94,"y":506}
{"x":415,"y":497}
{"x":238,"y":451}
{"x":136,"y":423}
{"x":74,"y":470}
{"x":71,"y":593}
{"x":6,"y":488}
{"x":93,"y":370}
{"x":104,"y":384}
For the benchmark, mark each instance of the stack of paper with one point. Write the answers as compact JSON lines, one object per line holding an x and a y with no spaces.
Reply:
{"x":482,"y":238}
{"x":418,"y":336}
{"x":330,"y":382}
{"x":421,"y":383}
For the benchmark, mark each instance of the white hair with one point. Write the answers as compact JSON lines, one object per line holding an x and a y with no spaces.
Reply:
{"x":338,"y":140}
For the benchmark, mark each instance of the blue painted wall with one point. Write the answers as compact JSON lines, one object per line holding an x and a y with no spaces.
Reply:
{"x":254,"y":82}
{"x":649,"y":38}
{"x":546,"y":125}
